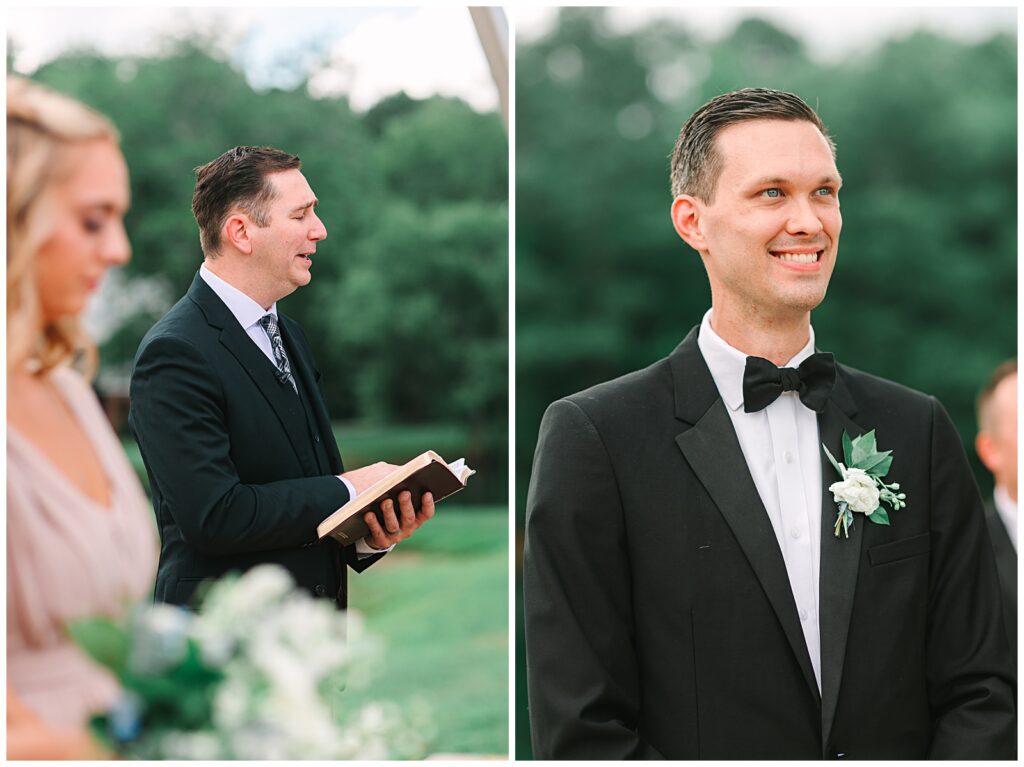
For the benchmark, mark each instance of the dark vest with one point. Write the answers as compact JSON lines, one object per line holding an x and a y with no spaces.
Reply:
{"x":315,"y":462}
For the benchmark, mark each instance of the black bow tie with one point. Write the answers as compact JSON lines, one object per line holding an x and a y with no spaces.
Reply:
{"x":763,"y":382}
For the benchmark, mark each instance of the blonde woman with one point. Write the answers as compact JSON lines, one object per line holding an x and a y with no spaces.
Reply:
{"x":80,"y":537}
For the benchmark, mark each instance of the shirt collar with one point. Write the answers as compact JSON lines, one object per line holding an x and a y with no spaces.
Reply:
{"x":244,"y":309}
{"x":1006,"y":507}
{"x":727,"y":363}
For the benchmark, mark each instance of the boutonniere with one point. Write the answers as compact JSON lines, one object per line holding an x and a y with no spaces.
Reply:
{"x":862,"y":488}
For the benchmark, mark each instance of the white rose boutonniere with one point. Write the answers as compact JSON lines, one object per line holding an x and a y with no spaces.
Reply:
{"x":862,"y":489}
{"x":857,"y":490}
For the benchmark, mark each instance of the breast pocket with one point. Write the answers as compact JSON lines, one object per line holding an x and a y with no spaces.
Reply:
{"x":895,"y":551}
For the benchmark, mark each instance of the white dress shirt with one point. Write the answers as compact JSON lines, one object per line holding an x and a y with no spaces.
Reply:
{"x":781,"y":446}
{"x":1006,"y":508}
{"x":248,"y":313}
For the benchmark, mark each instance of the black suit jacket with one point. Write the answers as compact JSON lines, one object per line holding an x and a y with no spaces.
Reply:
{"x":659,"y":617}
{"x":237,"y":476}
{"x":1006,"y":565}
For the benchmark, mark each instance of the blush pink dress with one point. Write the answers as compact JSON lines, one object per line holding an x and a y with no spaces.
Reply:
{"x":70,"y":557}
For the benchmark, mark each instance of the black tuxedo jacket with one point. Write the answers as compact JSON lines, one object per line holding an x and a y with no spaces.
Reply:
{"x":659,"y":617}
{"x":1006,"y":566}
{"x":240,"y":468}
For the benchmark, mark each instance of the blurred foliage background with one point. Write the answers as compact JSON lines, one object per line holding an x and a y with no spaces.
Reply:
{"x":407,"y":314}
{"x":925,"y":287}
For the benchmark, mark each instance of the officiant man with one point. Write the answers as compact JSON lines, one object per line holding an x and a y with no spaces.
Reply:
{"x":228,"y":407}
{"x":687,"y":591}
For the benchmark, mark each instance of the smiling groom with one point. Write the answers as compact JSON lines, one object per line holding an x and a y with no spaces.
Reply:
{"x":227,"y":404}
{"x":701,"y":581}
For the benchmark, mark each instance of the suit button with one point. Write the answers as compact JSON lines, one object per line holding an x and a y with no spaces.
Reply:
{"x":316,"y":438}
{"x":320,"y":589}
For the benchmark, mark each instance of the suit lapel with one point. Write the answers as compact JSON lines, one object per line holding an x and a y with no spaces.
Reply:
{"x":259,"y":369}
{"x":714,"y":454}
{"x":840,"y":557}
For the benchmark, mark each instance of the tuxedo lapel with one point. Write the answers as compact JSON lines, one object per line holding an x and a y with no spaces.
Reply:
{"x":280,"y":397}
{"x":840,"y":557}
{"x":713,"y":452}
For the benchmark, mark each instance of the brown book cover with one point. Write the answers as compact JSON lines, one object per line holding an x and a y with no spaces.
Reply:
{"x":427,"y":472}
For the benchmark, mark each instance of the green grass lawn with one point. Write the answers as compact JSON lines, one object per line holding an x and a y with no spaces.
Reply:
{"x":365,"y":443}
{"x":439,"y":602}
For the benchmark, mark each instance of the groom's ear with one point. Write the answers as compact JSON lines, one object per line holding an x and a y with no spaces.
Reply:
{"x":686,"y":215}
{"x":237,"y":232}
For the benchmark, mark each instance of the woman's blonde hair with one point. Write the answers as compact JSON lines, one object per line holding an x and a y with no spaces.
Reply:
{"x":44,"y":128}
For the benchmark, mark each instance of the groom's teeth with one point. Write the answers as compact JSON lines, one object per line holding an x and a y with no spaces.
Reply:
{"x":799,"y":258}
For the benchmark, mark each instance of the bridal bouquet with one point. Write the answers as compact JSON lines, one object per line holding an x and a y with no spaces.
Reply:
{"x":258,"y":672}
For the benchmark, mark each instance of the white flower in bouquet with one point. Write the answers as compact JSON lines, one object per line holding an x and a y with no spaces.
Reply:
{"x":234,"y":698}
{"x":235,"y":608}
{"x":193,"y":746}
{"x":315,"y":631}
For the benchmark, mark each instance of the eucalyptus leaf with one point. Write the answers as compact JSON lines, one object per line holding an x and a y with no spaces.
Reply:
{"x":880,"y":516}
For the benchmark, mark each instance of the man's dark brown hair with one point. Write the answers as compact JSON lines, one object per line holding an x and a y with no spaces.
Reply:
{"x":239,"y":178}
{"x":696,"y":163}
{"x":1001,"y":373}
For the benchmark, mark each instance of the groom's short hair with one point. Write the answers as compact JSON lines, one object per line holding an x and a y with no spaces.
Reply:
{"x":238,"y":179}
{"x":696,"y":163}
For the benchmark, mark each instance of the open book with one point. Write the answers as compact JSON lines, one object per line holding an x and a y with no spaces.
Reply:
{"x":427,"y":472}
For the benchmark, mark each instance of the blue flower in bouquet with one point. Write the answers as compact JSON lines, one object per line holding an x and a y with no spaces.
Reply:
{"x":125,"y":717}
{"x":159,"y":638}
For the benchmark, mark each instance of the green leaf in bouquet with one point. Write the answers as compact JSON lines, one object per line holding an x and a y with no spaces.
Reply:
{"x":880,"y":516}
{"x":99,"y":728}
{"x":103,"y":641}
{"x":847,"y":449}
{"x":863,"y":447}
{"x":180,"y":697}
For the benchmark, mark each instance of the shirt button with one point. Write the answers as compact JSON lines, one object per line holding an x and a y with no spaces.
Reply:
{"x":795,"y":532}
{"x":788,"y":456}
{"x":320,"y":589}
{"x":803,"y":615}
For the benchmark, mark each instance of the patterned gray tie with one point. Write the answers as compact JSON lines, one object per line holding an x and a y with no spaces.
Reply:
{"x":284,"y":370}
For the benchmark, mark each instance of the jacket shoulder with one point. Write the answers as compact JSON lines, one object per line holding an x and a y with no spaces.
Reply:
{"x":874,"y":393}
{"x":627,"y":396}
{"x":180,"y":322}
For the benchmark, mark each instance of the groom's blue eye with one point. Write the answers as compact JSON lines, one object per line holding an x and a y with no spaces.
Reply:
{"x":774,"y":192}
